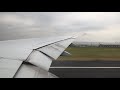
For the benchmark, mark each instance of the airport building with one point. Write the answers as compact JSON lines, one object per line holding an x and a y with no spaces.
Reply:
{"x":115,"y":46}
{"x":97,"y":44}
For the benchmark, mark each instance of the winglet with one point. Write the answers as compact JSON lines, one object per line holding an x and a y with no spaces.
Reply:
{"x":75,"y":35}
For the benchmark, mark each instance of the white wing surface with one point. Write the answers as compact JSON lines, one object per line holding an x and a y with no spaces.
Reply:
{"x":38,"y":53}
{"x":9,"y":67}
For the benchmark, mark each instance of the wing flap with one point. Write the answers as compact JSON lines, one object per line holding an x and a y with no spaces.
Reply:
{"x":56,"y":49}
{"x":30,"y":71}
{"x":44,"y":56}
{"x":39,"y":59}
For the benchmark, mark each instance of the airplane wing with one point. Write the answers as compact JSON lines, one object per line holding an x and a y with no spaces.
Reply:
{"x":30,"y":58}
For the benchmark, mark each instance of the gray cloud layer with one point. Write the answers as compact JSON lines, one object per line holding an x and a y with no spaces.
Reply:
{"x":99,"y":26}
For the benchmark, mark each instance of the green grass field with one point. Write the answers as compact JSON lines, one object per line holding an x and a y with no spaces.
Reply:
{"x":92,"y":53}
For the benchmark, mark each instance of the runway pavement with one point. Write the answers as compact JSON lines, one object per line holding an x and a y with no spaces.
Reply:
{"x":86,"y":69}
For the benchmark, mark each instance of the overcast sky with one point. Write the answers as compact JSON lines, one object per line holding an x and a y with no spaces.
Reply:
{"x":92,"y":26}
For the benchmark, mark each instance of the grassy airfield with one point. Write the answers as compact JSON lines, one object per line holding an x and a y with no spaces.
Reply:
{"x":92,"y":54}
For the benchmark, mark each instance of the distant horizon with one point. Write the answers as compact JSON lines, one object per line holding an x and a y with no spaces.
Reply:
{"x":95,"y":43}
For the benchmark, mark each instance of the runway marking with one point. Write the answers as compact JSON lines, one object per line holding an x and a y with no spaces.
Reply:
{"x":81,"y":67}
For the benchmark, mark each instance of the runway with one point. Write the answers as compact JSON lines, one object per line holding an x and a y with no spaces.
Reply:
{"x":86,"y":69}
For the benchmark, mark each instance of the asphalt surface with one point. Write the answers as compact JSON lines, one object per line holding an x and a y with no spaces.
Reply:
{"x":86,"y":69}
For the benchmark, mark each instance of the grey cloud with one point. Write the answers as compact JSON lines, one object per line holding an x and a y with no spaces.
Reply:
{"x":42,"y":24}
